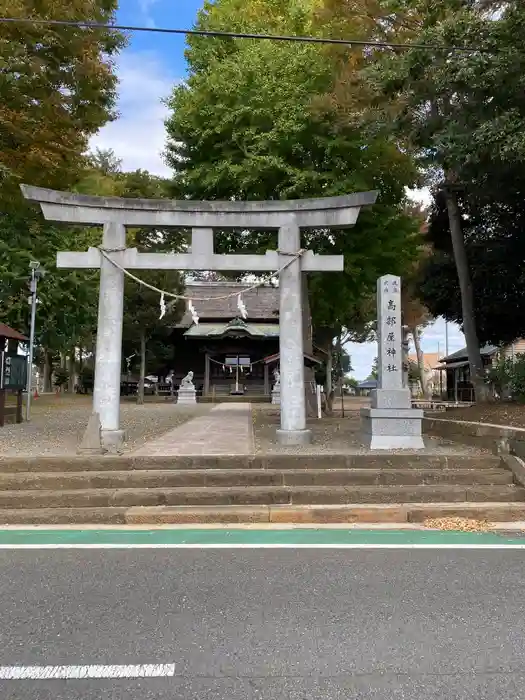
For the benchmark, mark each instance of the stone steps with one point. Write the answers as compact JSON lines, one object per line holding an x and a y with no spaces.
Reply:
{"x":283,"y":514}
{"x":257,"y":495}
{"x":65,"y":464}
{"x":274,"y":488}
{"x":186,"y":478}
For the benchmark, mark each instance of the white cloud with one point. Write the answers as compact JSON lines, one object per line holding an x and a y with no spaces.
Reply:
{"x":138,"y":136}
{"x":146,"y":7}
{"x":362,"y":355}
{"x":434,"y":338}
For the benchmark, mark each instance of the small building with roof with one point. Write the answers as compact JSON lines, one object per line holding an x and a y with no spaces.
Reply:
{"x":457,"y":369}
{"x":226,"y":352}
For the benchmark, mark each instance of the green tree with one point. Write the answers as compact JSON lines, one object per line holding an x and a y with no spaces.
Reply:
{"x":350,"y":383}
{"x":142,"y":321}
{"x":57,"y":88}
{"x":247,"y":125}
{"x":460,"y":113}
{"x":374,"y":373}
{"x":495,"y":246}
{"x":143,"y":327}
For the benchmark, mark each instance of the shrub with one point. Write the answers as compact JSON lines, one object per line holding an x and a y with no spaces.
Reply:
{"x":508,"y":378}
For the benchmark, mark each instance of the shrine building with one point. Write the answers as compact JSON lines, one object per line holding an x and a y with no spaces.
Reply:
{"x":229,"y":355}
{"x":226,"y":352}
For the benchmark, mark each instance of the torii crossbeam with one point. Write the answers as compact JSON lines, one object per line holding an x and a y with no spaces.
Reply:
{"x":115,"y":213}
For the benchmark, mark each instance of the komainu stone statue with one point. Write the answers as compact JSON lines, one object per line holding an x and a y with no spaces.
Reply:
{"x":187,"y":381}
{"x":276,"y":390}
{"x":186,"y":393}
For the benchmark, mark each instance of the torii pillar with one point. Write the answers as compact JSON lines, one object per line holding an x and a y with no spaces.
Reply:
{"x":115,"y":213}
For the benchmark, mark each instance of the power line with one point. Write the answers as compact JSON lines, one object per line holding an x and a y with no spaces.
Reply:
{"x":242,"y":35}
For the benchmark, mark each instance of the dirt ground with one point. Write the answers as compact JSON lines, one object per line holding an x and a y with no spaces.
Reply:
{"x":58,"y":423}
{"x":510,"y":414}
{"x":335,"y":434}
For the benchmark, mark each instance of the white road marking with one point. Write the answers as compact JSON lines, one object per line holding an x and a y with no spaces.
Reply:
{"x":264,"y":545}
{"x":48,"y":673}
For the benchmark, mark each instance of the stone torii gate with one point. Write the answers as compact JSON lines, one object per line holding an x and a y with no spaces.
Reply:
{"x":115,"y":213}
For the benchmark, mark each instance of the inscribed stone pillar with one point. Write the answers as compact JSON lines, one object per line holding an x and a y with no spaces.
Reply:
{"x":390,"y":392}
{"x":293,"y":410}
{"x":106,"y":392}
{"x":391,"y":423}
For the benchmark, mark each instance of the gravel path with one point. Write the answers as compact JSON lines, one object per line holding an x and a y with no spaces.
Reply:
{"x":336,"y":435}
{"x":57,"y":425}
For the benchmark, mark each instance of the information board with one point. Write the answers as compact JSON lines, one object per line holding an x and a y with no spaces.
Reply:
{"x":13,"y":373}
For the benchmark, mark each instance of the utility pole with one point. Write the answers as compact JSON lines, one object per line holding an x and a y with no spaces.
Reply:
{"x":446,"y":338}
{"x":36,"y":273}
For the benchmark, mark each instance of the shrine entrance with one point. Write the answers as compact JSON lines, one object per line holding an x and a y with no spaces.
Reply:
{"x":114,"y":260}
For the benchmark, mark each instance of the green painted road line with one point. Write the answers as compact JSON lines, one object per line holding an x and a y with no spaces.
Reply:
{"x":250,"y":538}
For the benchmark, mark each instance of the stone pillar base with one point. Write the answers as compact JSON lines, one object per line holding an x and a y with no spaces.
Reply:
{"x":186,"y":396}
{"x":392,"y":428}
{"x":294,"y":437}
{"x":112,"y":441}
{"x":391,"y":398}
{"x":276,"y":398}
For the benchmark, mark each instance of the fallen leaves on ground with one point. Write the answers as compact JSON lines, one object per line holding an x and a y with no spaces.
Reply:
{"x":460,"y":524}
{"x":498,"y":413}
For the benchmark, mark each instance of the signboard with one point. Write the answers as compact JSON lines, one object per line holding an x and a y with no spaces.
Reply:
{"x":241,"y":361}
{"x":13,"y":373}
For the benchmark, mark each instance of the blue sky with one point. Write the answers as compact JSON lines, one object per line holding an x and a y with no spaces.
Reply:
{"x":148,"y":69}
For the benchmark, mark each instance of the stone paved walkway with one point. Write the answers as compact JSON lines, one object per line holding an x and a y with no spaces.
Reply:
{"x":227,"y":429}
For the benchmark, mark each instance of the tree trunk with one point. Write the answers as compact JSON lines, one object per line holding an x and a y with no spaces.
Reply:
{"x":308,"y":348}
{"x":48,"y":372}
{"x":420,"y":362}
{"x":140,"y":391}
{"x":339,"y":351}
{"x":328,"y":388}
{"x":72,"y":371}
{"x":467,"y":297}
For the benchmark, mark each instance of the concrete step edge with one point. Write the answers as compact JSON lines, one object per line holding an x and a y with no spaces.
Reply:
{"x":64,"y":464}
{"x":325,"y":514}
{"x":63,"y":516}
{"x":241,"y":472}
{"x":259,"y":489}
{"x":300,"y":514}
{"x":258,"y":496}
{"x":251,"y":478}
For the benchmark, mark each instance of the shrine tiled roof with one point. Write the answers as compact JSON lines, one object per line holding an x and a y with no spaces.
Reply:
{"x":11,"y":334}
{"x":262,"y":303}
{"x":218,"y":330}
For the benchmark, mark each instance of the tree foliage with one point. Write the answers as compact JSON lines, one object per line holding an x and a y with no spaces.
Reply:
{"x":461,"y":113}
{"x":57,"y":88}
{"x":247,"y":125}
{"x":495,"y":244}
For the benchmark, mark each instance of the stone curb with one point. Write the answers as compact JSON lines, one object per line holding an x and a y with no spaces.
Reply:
{"x":516,"y":466}
{"x":403,"y":513}
{"x":301,"y":515}
{"x":500,"y":439}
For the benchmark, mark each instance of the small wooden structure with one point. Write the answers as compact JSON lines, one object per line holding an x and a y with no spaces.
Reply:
{"x":13,"y":374}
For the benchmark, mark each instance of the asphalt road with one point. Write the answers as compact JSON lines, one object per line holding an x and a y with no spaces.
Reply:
{"x":269,"y":624}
